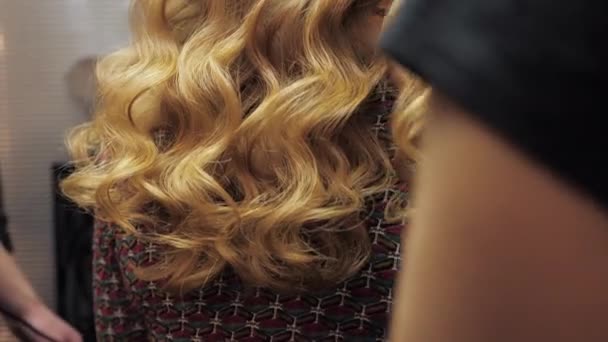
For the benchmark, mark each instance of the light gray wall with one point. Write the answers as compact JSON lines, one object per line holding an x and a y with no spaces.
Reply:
{"x":39,"y":41}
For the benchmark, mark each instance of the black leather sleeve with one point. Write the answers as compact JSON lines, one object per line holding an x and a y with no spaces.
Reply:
{"x":533,"y":71}
{"x":4,"y":236}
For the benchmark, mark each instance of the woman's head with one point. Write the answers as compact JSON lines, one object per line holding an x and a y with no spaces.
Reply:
{"x":266,"y":160}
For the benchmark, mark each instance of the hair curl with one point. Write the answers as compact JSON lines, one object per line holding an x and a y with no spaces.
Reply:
{"x":266,"y":163}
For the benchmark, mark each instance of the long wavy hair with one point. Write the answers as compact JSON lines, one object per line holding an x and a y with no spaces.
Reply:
{"x":231,"y":134}
{"x":408,"y":121}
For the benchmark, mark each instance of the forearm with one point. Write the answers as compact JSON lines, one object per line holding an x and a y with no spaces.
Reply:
{"x":499,"y":249}
{"x":16,"y":293}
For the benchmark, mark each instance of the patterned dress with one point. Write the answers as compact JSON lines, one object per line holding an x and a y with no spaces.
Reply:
{"x":128,"y":309}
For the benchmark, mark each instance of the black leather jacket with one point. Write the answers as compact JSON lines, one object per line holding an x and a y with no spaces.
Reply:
{"x":4,"y":236}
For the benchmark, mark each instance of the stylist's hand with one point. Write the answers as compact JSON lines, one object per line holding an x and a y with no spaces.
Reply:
{"x":46,"y":321}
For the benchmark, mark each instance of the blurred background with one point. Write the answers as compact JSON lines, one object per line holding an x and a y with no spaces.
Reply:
{"x":45,"y":46}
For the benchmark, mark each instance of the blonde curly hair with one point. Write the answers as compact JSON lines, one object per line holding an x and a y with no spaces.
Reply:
{"x":266,"y":161}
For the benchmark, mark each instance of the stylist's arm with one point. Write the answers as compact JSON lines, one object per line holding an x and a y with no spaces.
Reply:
{"x":30,"y":319}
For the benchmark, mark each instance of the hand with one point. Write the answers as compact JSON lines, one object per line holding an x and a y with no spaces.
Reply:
{"x":47,"y":322}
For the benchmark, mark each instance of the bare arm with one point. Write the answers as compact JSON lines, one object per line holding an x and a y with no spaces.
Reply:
{"x":17,"y":296}
{"x":16,"y":293}
{"x":499,"y":250}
